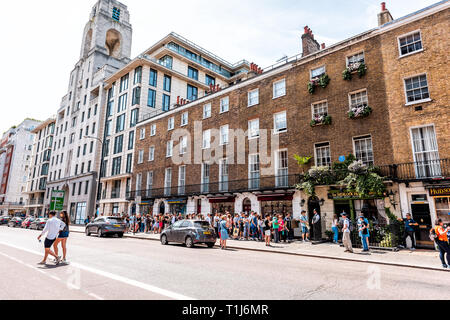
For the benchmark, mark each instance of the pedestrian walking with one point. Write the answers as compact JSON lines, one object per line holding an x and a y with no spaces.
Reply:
{"x":346,"y":238}
{"x":52,"y":229}
{"x":441,"y":239}
{"x":409,"y":230}
{"x":363,"y":228}
{"x":63,"y":236}
{"x":335,"y":229}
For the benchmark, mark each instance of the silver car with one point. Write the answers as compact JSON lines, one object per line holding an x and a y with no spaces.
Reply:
{"x":190,"y":233}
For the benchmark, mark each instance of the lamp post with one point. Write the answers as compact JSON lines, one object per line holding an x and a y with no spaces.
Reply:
{"x":101,"y":165}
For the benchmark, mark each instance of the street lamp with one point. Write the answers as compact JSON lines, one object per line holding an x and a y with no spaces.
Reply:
{"x":101,"y":165}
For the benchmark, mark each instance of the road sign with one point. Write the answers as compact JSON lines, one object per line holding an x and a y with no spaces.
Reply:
{"x":57,"y":201}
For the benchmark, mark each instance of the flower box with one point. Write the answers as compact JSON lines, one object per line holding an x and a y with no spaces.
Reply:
{"x":322,"y":81}
{"x":320,"y":120}
{"x":359,"y":67}
{"x":360,"y":111}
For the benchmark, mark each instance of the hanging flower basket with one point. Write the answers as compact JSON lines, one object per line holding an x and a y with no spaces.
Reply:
{"x":321,"y":120}
{"x":361,"y":111}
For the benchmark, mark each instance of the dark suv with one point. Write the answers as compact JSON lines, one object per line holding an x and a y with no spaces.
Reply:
{"x":107,"y":225}
{"x":190,"y":233}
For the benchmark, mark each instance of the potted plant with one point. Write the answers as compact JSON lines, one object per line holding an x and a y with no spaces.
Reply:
{"x":322,"y":81}
{"x":347,"y":74}
{"x":321,"y":120}
{"x":302,"y":161}
{"x":359,"y":67}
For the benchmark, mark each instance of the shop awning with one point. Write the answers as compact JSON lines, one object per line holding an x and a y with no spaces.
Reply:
{"x":221,"y":199}
{"x":276,"y":197}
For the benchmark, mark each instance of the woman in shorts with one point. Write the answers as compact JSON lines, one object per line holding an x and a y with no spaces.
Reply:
{"x":63,"y":236}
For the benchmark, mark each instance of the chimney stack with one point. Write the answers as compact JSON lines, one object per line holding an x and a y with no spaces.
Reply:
{"x":323,"y":46}
{"x":384,"y":16}
{"x":309,"y":45}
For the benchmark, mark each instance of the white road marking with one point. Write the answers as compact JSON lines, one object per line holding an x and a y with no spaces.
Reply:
{"x":95,"y":296}
{"x":138,"y":284}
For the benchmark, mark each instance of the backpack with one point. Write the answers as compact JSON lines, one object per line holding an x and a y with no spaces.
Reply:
{"x":433,"y":235}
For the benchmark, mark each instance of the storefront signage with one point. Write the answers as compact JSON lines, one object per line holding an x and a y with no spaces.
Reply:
{"x":346,"y":195}
{"x":177,"y":201}
{"x":147,"y":203}
{"x":437,"y":192}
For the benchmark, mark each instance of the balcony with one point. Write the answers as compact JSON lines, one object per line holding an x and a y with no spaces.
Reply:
{"x":271,"y":183}
{"x":34,"y":202}
{"x":418,"y":171}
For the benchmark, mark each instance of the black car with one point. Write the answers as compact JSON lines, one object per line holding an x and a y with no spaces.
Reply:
{"x":15,"y":222}
{"x":190,"y":233}
{"x":107,"y":226}
{"x":4,"y":220}
{"x":38,"y":224}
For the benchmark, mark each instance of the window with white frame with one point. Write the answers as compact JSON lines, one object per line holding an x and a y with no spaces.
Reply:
{"x":426,"y":152}
{"x":142,"y":134}
{"x":254,"y":171}
{"x":181,"y":180}
{"x":207,"y":111}
{"x":253,"y":98}
{"x":323,"y":154}
{"x":279,"y":89}
{"x":223,"y":175}
{"x":139,"y":182}
{"x":320,"y":109}
{"x":354,"y":61}
{"x":282,"y":179}
{"x":205,"y":177}
{"x":169,"y":151}
{"x":364,"y":149}
{"x":183,"y":145}
{"x":184,"y":119}
{"x":151,"y":153}
{"x":280,"y":122}
{"x":206,"y":139}
{"x":153,"y":130}
{"x":141,"y":156}
{"x":224,"y":134}
{"x":317,"y":72}
{"x":171,"y":123}
{"x":358,"y":99}
{"x":168,"y":182}
{"x":416,"y":89}
{"x":149,"y":183}
{"x":410,"y":43}
{"x":224,"y":104}
{"x":253,"y":129}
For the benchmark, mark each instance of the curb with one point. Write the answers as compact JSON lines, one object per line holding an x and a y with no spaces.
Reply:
{"x":392,"y":264}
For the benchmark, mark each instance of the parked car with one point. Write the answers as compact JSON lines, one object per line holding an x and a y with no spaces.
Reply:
{"x":27,"y":222}
{"x":15,"y":222}
{"x":4,"y":220}
{"x":38,"y":224}
{"x":190,"y":233}
{"x":106,"y":226}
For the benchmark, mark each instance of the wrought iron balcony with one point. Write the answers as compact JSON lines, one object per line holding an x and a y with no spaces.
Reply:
{"x":417,"y":171}
{"x":270,"y":183}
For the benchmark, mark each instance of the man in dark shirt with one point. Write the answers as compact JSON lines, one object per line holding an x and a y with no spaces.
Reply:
{"x":409,"y":230}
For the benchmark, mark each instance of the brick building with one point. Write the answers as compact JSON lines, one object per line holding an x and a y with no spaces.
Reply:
{"x":279,"y":104}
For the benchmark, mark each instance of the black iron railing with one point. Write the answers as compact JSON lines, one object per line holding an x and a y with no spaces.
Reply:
{"x":223,"y":187}
{"x":422,"y":170}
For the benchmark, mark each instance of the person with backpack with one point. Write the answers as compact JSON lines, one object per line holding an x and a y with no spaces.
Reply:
{"x":440,"y":237}
{"x":346,"y":238}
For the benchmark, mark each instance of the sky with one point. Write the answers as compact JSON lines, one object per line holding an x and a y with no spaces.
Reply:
{"x":42,"y":39}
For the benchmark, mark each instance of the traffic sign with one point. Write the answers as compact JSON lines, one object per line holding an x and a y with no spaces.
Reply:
{"x":57,"y":200}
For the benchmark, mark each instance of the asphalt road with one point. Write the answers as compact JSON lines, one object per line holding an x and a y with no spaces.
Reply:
{"x":112,"y":268}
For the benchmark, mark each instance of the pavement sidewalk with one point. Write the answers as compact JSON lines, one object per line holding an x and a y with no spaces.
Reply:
{"x":422,"y":259}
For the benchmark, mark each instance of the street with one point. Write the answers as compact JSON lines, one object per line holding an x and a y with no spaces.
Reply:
{"x":123,"y":269}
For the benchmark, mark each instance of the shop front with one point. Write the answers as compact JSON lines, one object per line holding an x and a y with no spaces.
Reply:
{"x":146,"y":207}
{"x":222,"y":205}
{"x":441,"y":198}
{"x":372,"y":206}
{"x":177,"y":206}
{"x":276,"y":203}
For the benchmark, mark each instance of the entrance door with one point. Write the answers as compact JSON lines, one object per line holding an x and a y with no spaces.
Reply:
{"x":421,"y":214}
{"x":247,"y":205}
{"x":314,"y":204}
{"x":199,"y":206}
{"x":162,"y":208}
